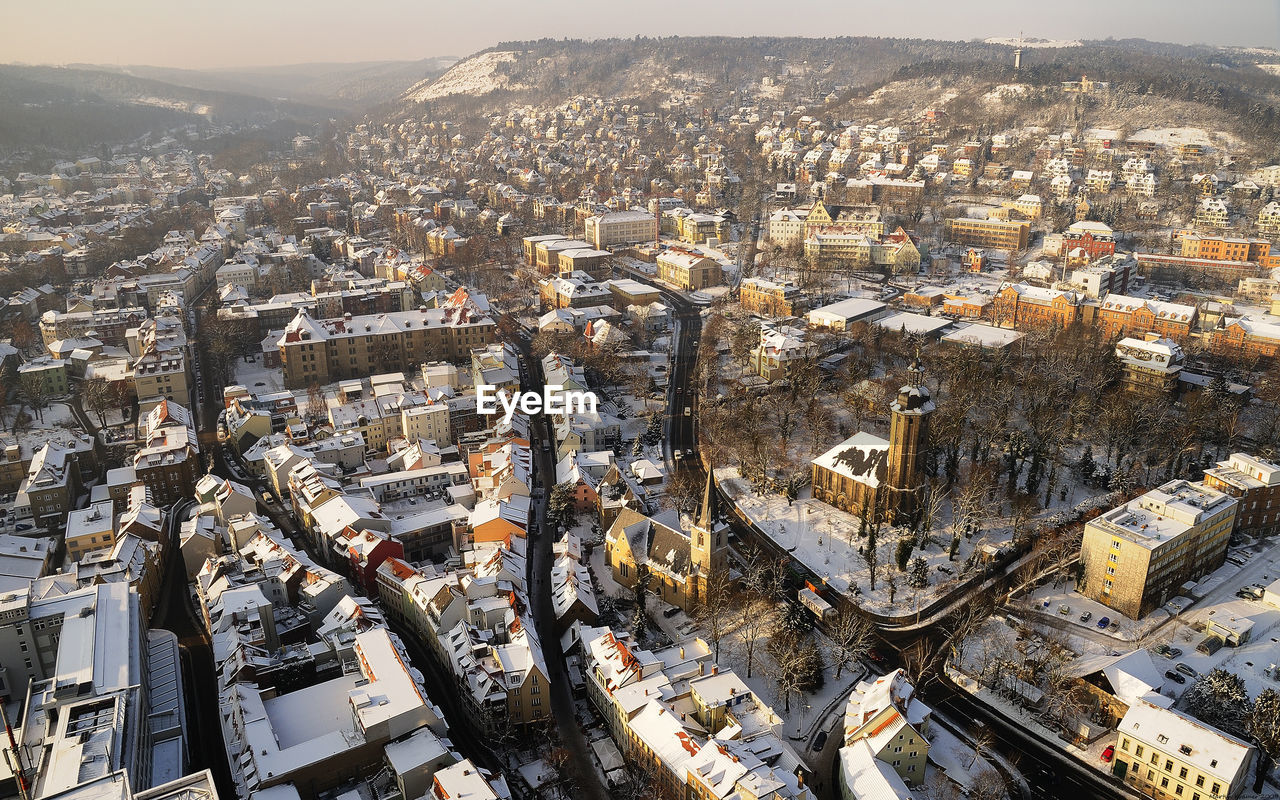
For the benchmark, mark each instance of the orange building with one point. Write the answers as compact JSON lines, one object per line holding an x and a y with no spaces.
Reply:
{"x":1120,"y":315}
{"x":1221,"y":248}
{"x":1243,"y":338}
{"x":1022,"y":306}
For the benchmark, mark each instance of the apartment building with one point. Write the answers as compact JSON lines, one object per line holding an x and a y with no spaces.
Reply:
{"x":168,"y":462}
{"x":1023,"y":306}
{"x":1120,"y":315}
{"x":1151,"y":366}
{"x":160,"y":374}
{"x":1255,"y":484}
{"x":90,"y":529}
{"x":323,"y":351}
{"x":1168,"y":755}
{"x":1137,"y":556}
{"x":476,"y":623}
{"x":662,"y":708}
{"x":990,"y":233}
{"x":886,"y":716}
{"x":618,"y":228}
{"x":688,"y":270}
{"x":771,"y":298}
{"x":51,"y":486}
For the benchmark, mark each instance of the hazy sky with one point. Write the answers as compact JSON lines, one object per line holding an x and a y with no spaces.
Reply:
{"x":198,"y":34}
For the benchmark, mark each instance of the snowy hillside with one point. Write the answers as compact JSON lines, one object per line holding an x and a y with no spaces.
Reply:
{"x":475,"y":75}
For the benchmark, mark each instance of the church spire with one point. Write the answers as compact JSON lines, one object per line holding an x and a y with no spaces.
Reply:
{"x":709,"y":512}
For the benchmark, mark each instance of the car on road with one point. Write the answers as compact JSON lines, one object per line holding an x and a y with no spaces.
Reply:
{"x":671,"y":612}
{"x":1176,"y":677}
{"x":1064,"y":609}
{"x":1185,"y":669}
{"x":819,"y":741}
{"x":1086,"y":616}
{"x":1104,"y":622}
{"x":687,"y":411}
{"x":1109,"y":753}
{"x":23,"y":526}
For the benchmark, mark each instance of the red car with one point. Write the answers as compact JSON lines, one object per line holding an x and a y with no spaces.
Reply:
{"x":1108,"y":753}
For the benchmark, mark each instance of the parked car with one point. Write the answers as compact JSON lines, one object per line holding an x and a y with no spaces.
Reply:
{"x":1185,"y":669}
{"x":671,"y":612}
{"x":820,"y":740}
{"x":1086,"y":616}
{"x":1161,"y":649}
{"x":1109,"y":753}
{"x":1173,"y":652}
{"x":1064,"y":609}
{"x":1104,"y":622}
{"x":1176,"y":677}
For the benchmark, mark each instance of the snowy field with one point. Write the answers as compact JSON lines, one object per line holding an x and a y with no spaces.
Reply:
{"x":825,"y":540}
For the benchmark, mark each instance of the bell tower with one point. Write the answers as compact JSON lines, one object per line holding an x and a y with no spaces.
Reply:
{"x":707,"y":538}
{"x":908,"y":437}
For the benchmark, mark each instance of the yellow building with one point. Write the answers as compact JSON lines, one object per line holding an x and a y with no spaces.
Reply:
{"x":1012,"y":235}
{"x":323,"y":351}
{"x":89,"y":529}
{"x":886,"y":714}
{"x":770,"y":298}
{"x":688,"y":270}
{"x":1137,"y":556}
{"x":1168,"y":755}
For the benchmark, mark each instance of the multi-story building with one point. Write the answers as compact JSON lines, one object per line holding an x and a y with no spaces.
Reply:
{"x":826,"y":220}
{"x":1168,"y":755}
{"x":995,"y":234}
{"x":1269,"y":218}
{"x":1137,"y":556}
{"x":660,"y":707}
{"x":1255,"y":484}
{"x":1151,"y":366}
{"x":1245,"y":337}
{"x":1213,"y":212}
{"x":1120,"y":315}
{"x":786,"y":226}
{"x":168,"y":462}
{"x":51,"y":485}
{"x":322,"y":351}
{"x":885,"y":715}
{"x":107,"y":325}
{"x":688,"y":270}
{"x":90,"y":529}
{"x":771,"y":298}
{"x":620,"y":228}
{"x":160,"y":375}
{"x":1223,"y":248}
{"x":1023,"y":306}
{"x":780,"y":347}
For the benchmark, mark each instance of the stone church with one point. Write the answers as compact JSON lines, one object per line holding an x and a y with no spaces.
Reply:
{"x":867,"y":475}
{"x":678,"y":564}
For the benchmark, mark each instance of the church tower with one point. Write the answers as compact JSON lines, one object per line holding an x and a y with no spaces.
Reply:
{"x":908,"y":437}
{"x":707,"y":538}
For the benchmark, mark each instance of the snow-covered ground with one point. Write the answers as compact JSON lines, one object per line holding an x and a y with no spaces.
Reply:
{"x":257,"y":378}
{"x":825,"y":540}
{"x":1033,"y":44}
{"x":475,"y":76}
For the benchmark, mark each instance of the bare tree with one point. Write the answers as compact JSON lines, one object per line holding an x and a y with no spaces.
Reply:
{"x":987,"y":785}
{"x":851,"y":636}
{"x":96,"y":395}
{"x":756,"y":621}
{"x":316,"y":408}
{"x":717,"y":609}
{"x":34,"y":391}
